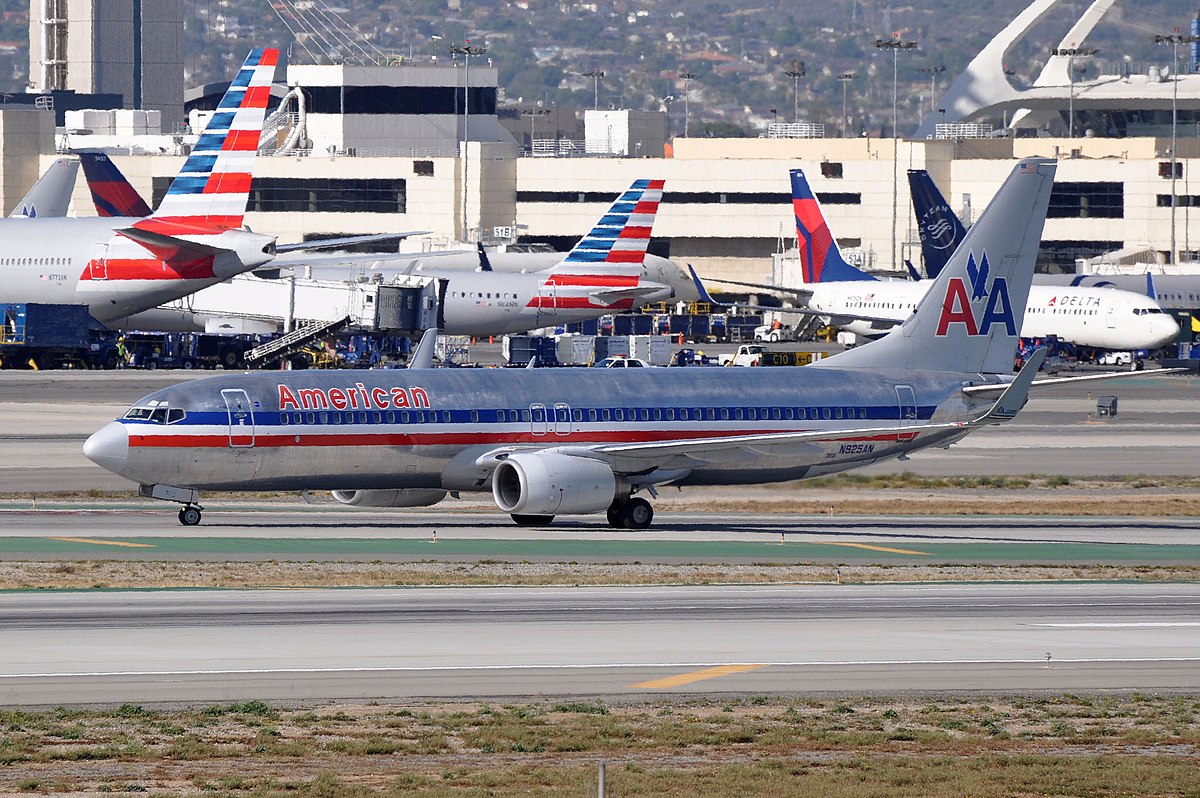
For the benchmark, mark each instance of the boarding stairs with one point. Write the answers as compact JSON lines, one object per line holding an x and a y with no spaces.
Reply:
{"x":298,"y":339}
{"x":808,"y":327}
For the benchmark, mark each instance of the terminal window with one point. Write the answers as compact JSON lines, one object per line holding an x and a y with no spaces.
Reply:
{"x":1087,"y":201}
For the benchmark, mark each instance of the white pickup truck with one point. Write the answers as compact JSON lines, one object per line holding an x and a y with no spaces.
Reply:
{"x":758,"y":355}
{"x":773,"y":334}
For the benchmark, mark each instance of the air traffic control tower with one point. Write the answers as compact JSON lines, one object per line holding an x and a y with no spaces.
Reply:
{"x":133,"y":48}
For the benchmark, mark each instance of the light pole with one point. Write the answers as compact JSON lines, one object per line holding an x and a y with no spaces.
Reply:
{"x":1072,"y":53}
{"x":466,"y":50}
{"x":845,"y":79}
{"x":595,"y":74}
{"x":932,"y":72}
{"x":795,"y":71}
{"x":895,"y":44}
{"x":687,"y":78}
{"x":533,"y":114}
{"x":1174,"y":39}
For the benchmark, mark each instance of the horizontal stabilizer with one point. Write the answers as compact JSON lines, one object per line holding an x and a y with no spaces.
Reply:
{"x":1058,"y":382}
{"x":782,"y":289}
{"x":166,"y":246}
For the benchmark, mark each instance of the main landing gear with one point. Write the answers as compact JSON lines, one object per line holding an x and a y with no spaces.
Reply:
{"x":634,"y":513}
{"x":190,"y":515}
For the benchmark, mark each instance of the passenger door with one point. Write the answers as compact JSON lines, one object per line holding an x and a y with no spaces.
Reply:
{"x":241,"y":417}
{"x":906,"y":401}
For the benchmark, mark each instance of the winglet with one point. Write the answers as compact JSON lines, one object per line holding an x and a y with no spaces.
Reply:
{"x":700,"y":289}
{"x":1150,"y":292}
{"x":1015,"y":395}
{"x":422,"y":354}
{"x":912,"y":271}
{"x":485,"y":265}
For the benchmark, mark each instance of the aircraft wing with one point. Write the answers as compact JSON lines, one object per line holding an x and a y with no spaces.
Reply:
{"x":158,"y":242}
{"x":840,"y":319}
{"x":804,"y":292}
{"x":348,"y":241}
{"x":666,"y":456}
{"x":1058,"y":382}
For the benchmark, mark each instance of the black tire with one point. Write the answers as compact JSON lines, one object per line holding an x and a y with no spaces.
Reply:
{"x":189,"y":516}
{"x":229,"y":359}
{"x":152,"y":364}
{"x":614,"y":516}
{"x":637,"y":514}
{"x":532,"y":520}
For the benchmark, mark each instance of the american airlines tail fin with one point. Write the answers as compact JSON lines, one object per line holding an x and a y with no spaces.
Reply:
{"x":940,"y":228}
{"x":51,"y":194}
{"x":111,"y":193}
{"x":214,"y":185}
{"x":820,"y":259}
{"x":623,"y":233}
{"x":970,"y":319}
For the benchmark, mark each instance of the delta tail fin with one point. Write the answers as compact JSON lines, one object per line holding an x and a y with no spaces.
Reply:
{"x":50,"y":196}
{"x":821,"y":260}
{"x":940,"y":228}
{"x":970,"y":319}
{"x":111,"y":192}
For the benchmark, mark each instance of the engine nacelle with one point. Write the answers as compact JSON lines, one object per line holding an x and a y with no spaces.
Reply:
{"x":550,"y":484}
{"x":401,"y":497}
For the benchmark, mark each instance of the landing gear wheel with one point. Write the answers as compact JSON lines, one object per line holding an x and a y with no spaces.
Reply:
{"x":637,"y":514}
{"x":614,"y":516}
{"x":189,"y":516}
{"x":532,"y":520}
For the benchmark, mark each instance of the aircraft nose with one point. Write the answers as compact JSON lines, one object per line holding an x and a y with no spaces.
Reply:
{"x":1167,"y":328}
{"x":108,"y":447}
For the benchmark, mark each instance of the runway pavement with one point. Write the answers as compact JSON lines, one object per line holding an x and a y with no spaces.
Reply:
{"x":313,"y":645}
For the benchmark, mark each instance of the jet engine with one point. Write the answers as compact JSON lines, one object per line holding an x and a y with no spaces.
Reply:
{"x":401,"y":497}
{"x":549,"y":484}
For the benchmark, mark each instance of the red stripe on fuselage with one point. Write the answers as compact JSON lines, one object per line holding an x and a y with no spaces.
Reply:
{"x":151,"y":269}
{"x":275,"y":440}
{"x":593,"y":280}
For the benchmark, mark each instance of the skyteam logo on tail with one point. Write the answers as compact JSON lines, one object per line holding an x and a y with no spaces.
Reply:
{"x":959,"y":305}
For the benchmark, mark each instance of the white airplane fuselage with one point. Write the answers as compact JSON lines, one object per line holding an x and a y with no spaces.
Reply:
{"x":83,"y":261}
{"x":1095,"y":317}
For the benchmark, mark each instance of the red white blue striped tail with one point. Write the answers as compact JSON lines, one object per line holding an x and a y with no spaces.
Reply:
{"x":623,"y":233}
{"x":214,"y":185}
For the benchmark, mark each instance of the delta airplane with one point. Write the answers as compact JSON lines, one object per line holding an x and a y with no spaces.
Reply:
{"x":940,"y":227}
{"x":117,"y":266}
{"x":602,"y":274}
{"x":859,"y":303}
{"x":548,"y":442}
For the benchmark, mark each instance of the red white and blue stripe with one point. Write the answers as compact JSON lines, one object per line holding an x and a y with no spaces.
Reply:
{"x":214,"y":184}
{"x":623,"y":234}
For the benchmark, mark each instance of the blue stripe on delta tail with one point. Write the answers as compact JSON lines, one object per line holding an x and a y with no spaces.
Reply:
{"x":940,"y":228}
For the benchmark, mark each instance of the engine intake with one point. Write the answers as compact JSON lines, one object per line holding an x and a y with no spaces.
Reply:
{"x":552,"y":484}
{"x":400,"y":497}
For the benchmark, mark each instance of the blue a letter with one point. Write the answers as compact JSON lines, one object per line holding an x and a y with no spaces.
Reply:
{"x":999,"y":309}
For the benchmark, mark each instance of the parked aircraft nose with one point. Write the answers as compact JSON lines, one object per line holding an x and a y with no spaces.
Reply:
{"x":108,"y":447}
{"x":1165,"y":330}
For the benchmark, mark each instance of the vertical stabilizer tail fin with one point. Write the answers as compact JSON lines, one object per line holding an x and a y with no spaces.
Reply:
{"x":50,"y":196}
{"x":970,"y":319}
{"x":821,"y":260}
{"x":213,"y":186}
{"x":940,"y":228}
{"x":111,"y":192}
{"x":622,"y":235}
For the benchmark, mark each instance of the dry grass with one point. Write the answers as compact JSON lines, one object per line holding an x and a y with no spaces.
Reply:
{"x":16,"y":575}
{"x":944,"y":746}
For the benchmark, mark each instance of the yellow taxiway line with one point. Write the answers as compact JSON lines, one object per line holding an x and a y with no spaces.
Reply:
{"x":869,"y":547}
{"x":695,"y":676}
{"x":99,"y":542}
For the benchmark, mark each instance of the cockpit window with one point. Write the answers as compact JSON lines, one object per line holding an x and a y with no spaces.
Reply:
{"x":157,"y":413}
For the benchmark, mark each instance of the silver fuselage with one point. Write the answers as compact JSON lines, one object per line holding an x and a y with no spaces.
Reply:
{"x":352,"y":430}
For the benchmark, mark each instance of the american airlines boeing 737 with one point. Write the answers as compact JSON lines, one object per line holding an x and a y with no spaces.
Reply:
{"x":118,"y":266}
{"x":547,"y":442}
